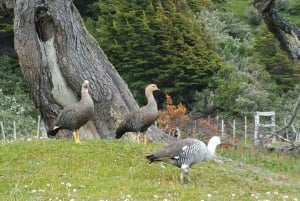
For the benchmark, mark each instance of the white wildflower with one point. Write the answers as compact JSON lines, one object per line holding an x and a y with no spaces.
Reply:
{"x":74,"y":190}
{"x":285,"y":197}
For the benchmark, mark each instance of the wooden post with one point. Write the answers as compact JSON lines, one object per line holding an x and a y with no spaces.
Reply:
{"x":233,"y":131}
{"x":265,"y":125}
{"x":297,"y":139}
{"x":2,"y":129}
{"x":273,"y":127}
{"x":195,"y":128}
{"x":38,"y":127}
{"x":286,"y":130}
{"x":245,"y":129}
{"x":15,"y":131}
{"x":222,"y":127}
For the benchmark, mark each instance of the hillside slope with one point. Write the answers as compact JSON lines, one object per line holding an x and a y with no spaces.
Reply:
{"x":117,"y":170}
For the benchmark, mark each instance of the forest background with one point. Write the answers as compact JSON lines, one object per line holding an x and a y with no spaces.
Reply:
{"x":215,"y":57}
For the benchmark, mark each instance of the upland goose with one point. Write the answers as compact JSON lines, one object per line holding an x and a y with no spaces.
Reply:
{"x":75,"y":115}
{"x":141,"y":119}
{"x":185,"y":153}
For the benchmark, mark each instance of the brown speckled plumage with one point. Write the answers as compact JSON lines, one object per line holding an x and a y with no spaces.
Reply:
{"x":76,"y":115}
{"x":141,"y":119}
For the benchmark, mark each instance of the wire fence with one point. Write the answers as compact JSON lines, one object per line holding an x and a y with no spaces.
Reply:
{"x":11,"y":131}
{"x":242,"y":130}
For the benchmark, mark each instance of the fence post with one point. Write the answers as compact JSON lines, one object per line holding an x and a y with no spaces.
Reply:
{"x":38,"y":127}
{"x":222,"y":127}
{"x":233,"y":132}
{"x":297,"y":139}
{"x":15,"y":131}
{"x":245,"y":129}
{"x":2,"y":129}
{"x":286,"y":130}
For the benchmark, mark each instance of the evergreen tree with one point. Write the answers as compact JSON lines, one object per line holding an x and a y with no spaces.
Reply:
{"x":284,"y":71}
{"x":156,"y":41}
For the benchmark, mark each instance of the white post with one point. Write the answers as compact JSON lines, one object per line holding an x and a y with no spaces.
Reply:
{"x":256,"y":127}
{"x":273,"y":127}
{"x":233,"y":132}
{"x":38,"y":127}
{"x":297,"y":139}
{"x":2,"y":129}
{"x":195,"y":128}
{"x":15,"y":131}
{"x":222,"y":127}
{"x":245,"y":129}
{"x":286,"y":130}
{"x":264,"y":125}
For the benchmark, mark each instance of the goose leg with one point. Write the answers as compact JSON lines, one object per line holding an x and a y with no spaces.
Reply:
{"x":145,"y":138}
{"x":77,"y":137}
{"x":138,"y":137}
{"x":74,"y":136}
{"x":181,"y":177}
{"x":185,"y":172}
{"x":188,"y":176}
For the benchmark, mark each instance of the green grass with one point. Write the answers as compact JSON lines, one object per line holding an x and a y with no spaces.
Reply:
{"x":239,"y":7}
{"x":117,"y":170}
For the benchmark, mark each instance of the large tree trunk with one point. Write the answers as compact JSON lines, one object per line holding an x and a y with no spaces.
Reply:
{"x":284,"y":31}
{"x":56,"y":53}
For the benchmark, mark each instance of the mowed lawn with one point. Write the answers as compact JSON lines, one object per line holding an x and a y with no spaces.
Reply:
{"x":118,"y":170}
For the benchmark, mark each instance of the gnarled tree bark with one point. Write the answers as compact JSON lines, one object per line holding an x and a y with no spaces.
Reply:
{"x":56,"y":53}
{"x":284,"y":31}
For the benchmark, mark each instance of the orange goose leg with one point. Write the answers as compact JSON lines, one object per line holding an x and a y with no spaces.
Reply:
{"x":145,"y":138}
{"x":137,"y":138}
{"x":76,"y":137}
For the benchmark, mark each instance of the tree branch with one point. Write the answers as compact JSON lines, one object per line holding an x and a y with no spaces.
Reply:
{"x":294,"y":114}
{"x":280,"y":27}
{"x":8,"y":3}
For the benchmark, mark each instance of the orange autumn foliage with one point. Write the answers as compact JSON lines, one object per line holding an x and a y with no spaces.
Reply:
{"x":173,"y":116}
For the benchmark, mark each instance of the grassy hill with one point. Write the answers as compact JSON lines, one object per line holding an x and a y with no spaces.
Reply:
{"x":117,"y":170}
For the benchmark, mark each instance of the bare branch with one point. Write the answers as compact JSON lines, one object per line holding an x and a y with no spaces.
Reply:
{"x":8,"y":4}
{"x":294,"y":114}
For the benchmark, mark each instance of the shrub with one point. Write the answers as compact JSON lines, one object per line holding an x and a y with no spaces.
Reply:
{"x":174,"y":116}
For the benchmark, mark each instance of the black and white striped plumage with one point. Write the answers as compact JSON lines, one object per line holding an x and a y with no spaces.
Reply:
{"x":185,"y":153}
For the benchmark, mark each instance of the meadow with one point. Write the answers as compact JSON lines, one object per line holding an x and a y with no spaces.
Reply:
{"x":117,"y":170}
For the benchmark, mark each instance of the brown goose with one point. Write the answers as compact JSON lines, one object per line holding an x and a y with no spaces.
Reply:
{"x":76,"y":115}
{"x":185,"y":153}
{"x":141,"y":119}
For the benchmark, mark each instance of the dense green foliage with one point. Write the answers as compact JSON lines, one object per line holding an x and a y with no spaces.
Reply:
{"x":118,"y":170}
{"x":156,"y":41}
{"x":6,"y":24}
{"x":257,"y":73}
{"x":15,"y":103}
